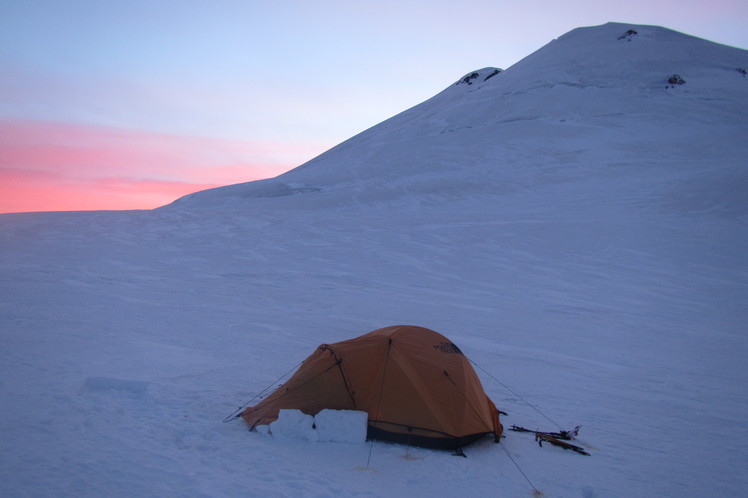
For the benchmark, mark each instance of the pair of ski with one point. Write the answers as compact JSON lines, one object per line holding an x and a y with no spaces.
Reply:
{"x":555,"y":438}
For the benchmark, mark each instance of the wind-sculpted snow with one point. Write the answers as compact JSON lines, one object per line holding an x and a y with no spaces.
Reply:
{"x":577,"y":229}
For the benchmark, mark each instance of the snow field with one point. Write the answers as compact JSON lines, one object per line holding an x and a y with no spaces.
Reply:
{"x":588,"y":257}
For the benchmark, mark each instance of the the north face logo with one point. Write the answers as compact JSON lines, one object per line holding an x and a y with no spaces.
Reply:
{"x":447,"y":347}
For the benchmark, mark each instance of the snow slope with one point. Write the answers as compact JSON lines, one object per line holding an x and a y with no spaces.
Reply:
{"x":574,"y":224}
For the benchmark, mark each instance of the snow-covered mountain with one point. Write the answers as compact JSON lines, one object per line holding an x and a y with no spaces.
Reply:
{"x":594,"y":103}
{"x":576,"y":224}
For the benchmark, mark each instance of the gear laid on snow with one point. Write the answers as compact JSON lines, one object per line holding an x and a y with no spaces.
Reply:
{"x":555,"y":438}
{"x":568,"y":435}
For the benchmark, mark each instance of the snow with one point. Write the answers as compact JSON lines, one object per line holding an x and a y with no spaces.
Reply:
{"x":336,"y":426}
{"x":341,"y":426}
{"x":293,"y":424}
{"x":575,"y":227}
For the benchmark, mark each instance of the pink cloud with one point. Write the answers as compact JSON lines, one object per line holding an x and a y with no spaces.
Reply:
{"x":54,"y":166}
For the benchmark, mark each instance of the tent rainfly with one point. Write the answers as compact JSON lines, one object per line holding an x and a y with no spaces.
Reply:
{"x":416,"y":385}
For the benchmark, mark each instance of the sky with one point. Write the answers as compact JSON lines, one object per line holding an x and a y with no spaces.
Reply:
{"x":130,"y":105}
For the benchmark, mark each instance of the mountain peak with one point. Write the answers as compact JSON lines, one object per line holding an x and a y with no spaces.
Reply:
{"x":616,"y":54}
{"x":616,"y":94}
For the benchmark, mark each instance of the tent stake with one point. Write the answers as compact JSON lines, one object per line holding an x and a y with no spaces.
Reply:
{"x":368,"y":461}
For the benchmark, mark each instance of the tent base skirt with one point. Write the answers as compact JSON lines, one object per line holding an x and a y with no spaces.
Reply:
{"x":441,"y":442}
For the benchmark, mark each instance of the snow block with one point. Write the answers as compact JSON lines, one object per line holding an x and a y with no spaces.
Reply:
{"x":134,"y":388}
{"x":341,"y":426}
{"x":294,"y":424}
{"x":337,"y":426}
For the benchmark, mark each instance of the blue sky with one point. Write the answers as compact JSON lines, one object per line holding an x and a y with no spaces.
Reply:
{"x":264,"y":85}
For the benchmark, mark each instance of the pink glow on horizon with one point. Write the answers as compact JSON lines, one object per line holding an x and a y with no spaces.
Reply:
{"x":61,"y":167}
{"x":22,"y":192}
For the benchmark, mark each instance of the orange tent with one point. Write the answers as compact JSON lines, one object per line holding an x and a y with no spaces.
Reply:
{"x":416,"y":385}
